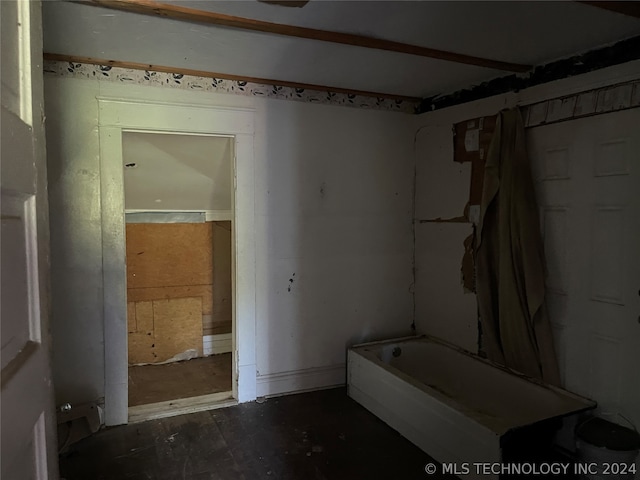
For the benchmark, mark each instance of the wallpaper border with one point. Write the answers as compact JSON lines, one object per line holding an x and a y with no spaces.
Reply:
{"x":216,"y":85}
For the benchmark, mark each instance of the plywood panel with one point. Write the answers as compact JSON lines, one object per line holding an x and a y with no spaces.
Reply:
{"x":169,"y":254}
{"x":222,"y":291}
{"x":165,"y":328}
{"x":141,"y":339}
{"x":210,"y":326}
{"x":164,"y":262}
{"x":141,"y":346}
{"x":131,"y":317}
{"x":177,"y":326}
{"x":218,"y":329}
{"x":144,"y":317}
{"x":159,"y":293}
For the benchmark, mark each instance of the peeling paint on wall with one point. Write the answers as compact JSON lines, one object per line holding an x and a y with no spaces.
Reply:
{"x":468,"y":267}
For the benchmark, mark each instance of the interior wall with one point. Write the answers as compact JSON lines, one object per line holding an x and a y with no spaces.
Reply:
{"x":73,"y":162}
{"x":334,"y":245}
{"x":333,"y":232}
{"x":443,"y":308}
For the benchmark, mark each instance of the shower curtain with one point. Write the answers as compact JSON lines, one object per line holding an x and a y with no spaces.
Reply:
{"x":510,"y":262}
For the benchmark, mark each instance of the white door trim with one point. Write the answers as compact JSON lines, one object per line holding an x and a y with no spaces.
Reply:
{"x":116,"y":115}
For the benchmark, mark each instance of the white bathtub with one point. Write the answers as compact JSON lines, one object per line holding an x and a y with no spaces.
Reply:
{"x":452,"y":404}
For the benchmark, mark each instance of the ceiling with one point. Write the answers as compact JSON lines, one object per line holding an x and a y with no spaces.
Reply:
{"x":157,"y":166}
{"x":531,"y":33}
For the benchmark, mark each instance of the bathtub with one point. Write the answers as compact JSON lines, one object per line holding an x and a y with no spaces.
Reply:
{"x":457,"y":407}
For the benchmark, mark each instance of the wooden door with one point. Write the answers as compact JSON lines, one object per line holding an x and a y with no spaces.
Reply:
{"x":28,"y":419}
{"x":588,"y":184}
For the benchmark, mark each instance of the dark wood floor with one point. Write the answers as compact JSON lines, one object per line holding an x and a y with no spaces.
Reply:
{"x":311,"y":436}
{"x":171,"y":381}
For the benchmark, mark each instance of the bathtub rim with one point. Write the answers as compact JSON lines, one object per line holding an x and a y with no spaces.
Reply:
{"x":359,"y":349}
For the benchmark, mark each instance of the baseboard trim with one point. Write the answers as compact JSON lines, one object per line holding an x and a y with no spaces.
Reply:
{"x":216,"y":344}
{"x":301,"y":380}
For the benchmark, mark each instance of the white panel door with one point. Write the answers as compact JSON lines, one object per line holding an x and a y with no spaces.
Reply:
{"x":587,"y":176}
{"x":28,"y":420}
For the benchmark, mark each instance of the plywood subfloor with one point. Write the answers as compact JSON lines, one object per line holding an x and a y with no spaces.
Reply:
{"x":311,"y":436}
{"x":191,"y":378}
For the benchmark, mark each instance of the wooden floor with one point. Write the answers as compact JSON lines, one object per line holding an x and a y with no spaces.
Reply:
{"x":311,"y":436}
{"x":190,"y":378}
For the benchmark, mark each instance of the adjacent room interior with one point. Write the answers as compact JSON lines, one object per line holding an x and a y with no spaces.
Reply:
{"x":179,"y":268}
{"x":319,"y":239}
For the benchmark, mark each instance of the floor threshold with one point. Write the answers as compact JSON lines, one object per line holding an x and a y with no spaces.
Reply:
{"x":171,"y":408}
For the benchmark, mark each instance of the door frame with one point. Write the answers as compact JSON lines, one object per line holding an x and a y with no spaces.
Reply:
{"x":123,"y":114}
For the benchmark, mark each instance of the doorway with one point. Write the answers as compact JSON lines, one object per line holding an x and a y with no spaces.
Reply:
{"x":196,"y":115}
{"x":179,"y":223}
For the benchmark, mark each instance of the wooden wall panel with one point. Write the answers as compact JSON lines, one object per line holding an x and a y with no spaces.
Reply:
{"x":169,"y":254}
{"x":158,"y":293}
{"x":177,"y":326}
{"x":220,"y":321}
{"x":140,"y":348}
{"x":131,"y":317}
{"x":182,"y":252}
{"x":164,"y":329}
{"x":144,"y":317}
{"x":213,"y":327}
{"x":140,"y":340}
{"x":177,"y":261}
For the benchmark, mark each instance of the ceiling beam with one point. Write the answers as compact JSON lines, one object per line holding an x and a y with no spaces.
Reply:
{"x":177,"y":12}
{"x":631,"y":9}
{"x":201,"y":73}
{"x":287,"y":3}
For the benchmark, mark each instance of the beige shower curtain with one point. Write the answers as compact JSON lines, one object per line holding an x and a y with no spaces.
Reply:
{"x":510,"y":259}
